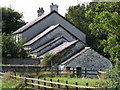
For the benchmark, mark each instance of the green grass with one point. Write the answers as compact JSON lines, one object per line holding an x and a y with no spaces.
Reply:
{"x":94,"y":82}
{"x":82,"y":81}
{"x":11,"y":83}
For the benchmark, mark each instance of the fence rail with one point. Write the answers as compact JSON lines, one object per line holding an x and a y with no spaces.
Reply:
{"x":50,"y":82}
{"x":79,"y":71}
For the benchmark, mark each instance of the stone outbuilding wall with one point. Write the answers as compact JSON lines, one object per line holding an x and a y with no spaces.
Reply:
{"x":88,"y":58}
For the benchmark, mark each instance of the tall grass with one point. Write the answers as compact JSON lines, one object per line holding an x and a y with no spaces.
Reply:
{"x":7,"y":82}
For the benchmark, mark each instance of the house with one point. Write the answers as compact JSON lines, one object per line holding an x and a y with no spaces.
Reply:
{"x":54,"y":34}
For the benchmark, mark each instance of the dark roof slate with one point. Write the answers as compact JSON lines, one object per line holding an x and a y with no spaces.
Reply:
{"x":74,"y":56}
{"x":38,"y":19}
{"x":41,"y":35}
{"x":47,"y":44}
{"x":28,"y":25}
{"x":61,"y":47}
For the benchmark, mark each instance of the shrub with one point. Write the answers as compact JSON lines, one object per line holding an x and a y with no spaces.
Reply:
{"x":47,"y":59}
{"x":114,"y":75}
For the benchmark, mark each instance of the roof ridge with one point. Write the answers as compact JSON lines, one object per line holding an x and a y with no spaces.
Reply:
{"x":38,"y":19}
{"x":74,"y":56}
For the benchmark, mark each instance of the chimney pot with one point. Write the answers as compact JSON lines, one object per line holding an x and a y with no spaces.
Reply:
{"x":53,"y":7}
{"x":40,"y":11}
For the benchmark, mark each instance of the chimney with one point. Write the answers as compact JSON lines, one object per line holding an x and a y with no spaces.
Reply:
{"x":54,"y":7}
{"x":40,"y":12}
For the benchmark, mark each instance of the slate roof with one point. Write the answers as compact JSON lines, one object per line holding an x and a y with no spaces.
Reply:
{"x":41,"y":35}
{"x":37,"y":20}
{"x":47,"y":44}
{"x":74,"y":56}
{"x":61,"y":47}
{"x":28,"y":25}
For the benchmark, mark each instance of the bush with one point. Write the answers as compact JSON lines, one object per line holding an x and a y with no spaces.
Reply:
{"x":47,"y":59}
{"x":114,"y":75}
{"x":11,"y":48}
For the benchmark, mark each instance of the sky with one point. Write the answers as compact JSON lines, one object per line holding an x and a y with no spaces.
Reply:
{"x":29,"y":7}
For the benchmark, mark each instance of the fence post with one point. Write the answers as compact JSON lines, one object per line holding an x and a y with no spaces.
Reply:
{"x":38,"y":82}
{"x":66,"y":85}
{"x":32,"y":82}
{"x":76,"y":87}
{"x":20,"y":75}
{"x":57,"y":70}
{"x":15,"y":74}
{"x":87,"y":84}
{"x":85,"y":72}
{"x":37,"y":72}
{"x":51,"y":83}
{"x":58,"y":84}
{"x":45,"y":84}
{"x":25,"y":82}
{"x":78,"y":71}
{"x":73,"y":72}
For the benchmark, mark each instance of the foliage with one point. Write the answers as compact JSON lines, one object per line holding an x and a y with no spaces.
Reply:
{"x":11,"y":83}
{"x":11,"y":20}
{"x":11,"y":48}
{"x":114,"y":75}
{"x":106,"y":26}
{"x":77,"y":15}
{"x":47,"y":59}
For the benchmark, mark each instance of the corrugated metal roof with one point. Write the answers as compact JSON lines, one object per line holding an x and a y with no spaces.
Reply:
{"x":41,"y":35}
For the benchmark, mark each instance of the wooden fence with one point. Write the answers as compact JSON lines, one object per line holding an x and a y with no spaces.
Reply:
{"x":31,"y":81}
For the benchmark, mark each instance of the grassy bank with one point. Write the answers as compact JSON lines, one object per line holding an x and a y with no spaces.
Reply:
{"x":82,"y":81}
{"x":11,"y":83}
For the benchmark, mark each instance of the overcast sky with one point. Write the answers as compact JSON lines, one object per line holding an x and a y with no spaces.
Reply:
{"x":30,"y":7}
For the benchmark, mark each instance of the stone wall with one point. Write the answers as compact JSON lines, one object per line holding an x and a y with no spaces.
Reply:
{"x":21,"y":68}
{"x":89,"y":59}
{"x":21,"y":61}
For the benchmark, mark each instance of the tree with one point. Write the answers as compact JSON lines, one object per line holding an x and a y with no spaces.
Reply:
{"x":11,"y":48}
{"x":76,"y":14}
{"x":12,"y":20}
{"x":106,"y":27}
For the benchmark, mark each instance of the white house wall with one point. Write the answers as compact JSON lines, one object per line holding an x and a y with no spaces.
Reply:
{"x":53,"y":34}
{"x":58,"y":42}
